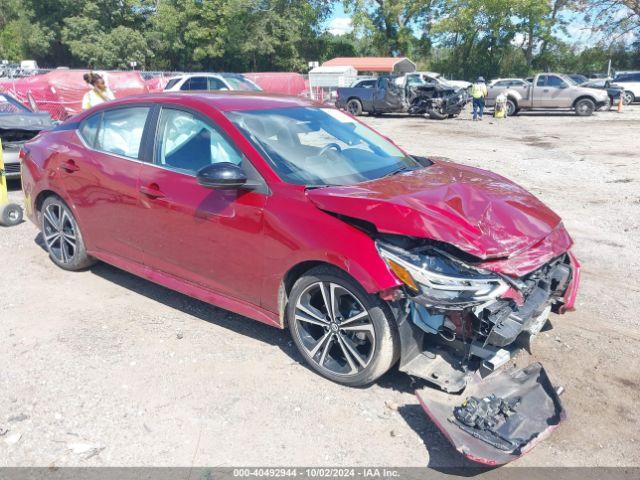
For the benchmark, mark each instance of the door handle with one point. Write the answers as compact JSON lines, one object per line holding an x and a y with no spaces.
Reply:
{"x":546,"y":90}
{"x":69,"y":166}
{"x":152,"y":191}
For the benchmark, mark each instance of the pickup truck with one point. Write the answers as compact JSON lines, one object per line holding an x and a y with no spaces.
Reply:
{"x":391,"y":94}
{"x":548,"y":91}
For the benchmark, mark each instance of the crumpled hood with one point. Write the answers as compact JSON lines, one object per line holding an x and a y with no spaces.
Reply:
{"x":479,"y":212}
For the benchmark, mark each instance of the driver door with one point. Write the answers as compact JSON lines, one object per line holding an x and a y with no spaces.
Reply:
{"x":388,"y":96}
{"x":212,"y":238}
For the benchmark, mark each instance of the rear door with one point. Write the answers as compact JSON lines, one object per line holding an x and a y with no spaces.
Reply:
{"x":101,"y":179}
{"x":212,"y":238}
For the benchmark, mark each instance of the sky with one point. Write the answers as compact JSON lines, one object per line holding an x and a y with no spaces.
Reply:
{"x":339,"y":23}
{"x":578,"y":32}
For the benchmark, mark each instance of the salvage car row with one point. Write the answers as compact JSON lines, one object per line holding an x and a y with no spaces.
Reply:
{"x":427,"y":93}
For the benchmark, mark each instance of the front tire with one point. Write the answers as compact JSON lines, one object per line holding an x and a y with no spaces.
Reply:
{"x":628,"y":97}
{"x":62,"y":237}
{"x":344,"y":333}
{"x":512,"y":108}
{"x":437,"y":114}
{"x":585,"y":107}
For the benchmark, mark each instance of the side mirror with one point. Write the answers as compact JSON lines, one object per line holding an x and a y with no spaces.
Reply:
{"x":222,"y":176}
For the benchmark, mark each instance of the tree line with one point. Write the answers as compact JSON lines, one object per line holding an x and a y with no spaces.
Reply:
{"x":461,"y":38}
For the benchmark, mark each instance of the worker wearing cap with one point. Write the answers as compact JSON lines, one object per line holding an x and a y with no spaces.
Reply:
{"x":478,"y":93}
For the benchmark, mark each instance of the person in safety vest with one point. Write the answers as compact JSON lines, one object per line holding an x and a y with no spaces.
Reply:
{"x":99,"y":92}
{"x":478,"y":92}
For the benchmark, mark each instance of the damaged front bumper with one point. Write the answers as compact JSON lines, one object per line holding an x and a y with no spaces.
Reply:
{"x":501,"y":418}
{"x":459,"y":343}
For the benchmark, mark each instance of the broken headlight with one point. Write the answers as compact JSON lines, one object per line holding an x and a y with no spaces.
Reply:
{"x":437,"y":280}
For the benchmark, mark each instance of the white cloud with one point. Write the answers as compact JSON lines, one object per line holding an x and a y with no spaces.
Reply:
{"x":340,"y":26}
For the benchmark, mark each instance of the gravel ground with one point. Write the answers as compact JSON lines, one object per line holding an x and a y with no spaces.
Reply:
{"x":103,"y":368}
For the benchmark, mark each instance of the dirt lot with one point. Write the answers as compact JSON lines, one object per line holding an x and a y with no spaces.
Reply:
{"x":92,"y":371}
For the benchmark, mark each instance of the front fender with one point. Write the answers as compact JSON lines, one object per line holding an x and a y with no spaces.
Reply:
{"x":296,"y":231}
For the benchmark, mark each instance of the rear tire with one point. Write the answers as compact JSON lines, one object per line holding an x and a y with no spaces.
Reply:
{"x":360,"y":337}
{"x":585,"y":107}
{"x":62,"y":237}
{"x":354,"y":107}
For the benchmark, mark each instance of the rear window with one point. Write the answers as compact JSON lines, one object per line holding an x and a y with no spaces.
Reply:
{"x":89,"y":128}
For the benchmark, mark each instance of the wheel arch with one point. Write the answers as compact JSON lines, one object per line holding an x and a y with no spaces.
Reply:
{"x":41,"y":197}
{"x":301,"y":268}
{"x":584,"y":97}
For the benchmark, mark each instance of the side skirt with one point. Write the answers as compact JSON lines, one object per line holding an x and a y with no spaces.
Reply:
{"x":190,"y":289}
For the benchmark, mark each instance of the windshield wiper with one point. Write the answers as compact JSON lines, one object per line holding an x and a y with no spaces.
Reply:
{"x":402,"y":169}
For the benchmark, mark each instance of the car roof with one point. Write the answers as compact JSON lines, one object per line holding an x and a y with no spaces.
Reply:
{"x":210,"y":74}
{"x":223,"y":101}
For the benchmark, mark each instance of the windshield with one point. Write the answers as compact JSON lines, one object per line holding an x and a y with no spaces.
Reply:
{"x":242,"y":84}
{"x":320,"y":146}
{"x":568,"y":80}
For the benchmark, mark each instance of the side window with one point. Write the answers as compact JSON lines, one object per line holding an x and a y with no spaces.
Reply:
{"x":635,"y":77}
{"x":553,"y":81}
{"x":502,"y":83}
{"x":542,"y":81}
{"x":185,"y":143}
{"x":195,"y":83}
{"x":120,"y":131}
{"x":89,"y":128}
{"x":216,"y":84}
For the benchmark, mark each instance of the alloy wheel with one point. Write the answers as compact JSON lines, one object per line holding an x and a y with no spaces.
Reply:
{"x":334,"y":328}
{"x":59,"y":233}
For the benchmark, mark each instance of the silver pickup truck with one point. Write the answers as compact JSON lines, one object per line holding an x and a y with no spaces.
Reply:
{"x":547,"y":91}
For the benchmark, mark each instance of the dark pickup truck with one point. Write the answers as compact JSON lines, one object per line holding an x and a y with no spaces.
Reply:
{"x":389,"y":94}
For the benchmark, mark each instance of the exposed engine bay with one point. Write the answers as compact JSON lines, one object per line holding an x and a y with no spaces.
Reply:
{"x":469,"y":318}
{"x":435,"y":100}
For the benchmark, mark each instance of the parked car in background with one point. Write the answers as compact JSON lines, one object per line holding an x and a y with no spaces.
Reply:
{"x":302,"y":217}
{"x":615,"y":92}
{"x":391,"y":94}
{"x":416,"y":78}
{"x":17,"y":125}
{"x":578,"y":78}
{"x":211,"y":81}
{"x":551,"y":91}
{"x":631,"y":83}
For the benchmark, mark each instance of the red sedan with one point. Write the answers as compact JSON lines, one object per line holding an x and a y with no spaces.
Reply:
{"x":298,"y":215}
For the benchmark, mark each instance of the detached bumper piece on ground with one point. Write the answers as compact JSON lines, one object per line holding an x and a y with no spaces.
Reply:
{"x":499,"y":418}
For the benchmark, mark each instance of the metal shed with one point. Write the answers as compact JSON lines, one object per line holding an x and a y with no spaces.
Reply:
{"x":397,"y":65}
{"x":325,"y":80}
